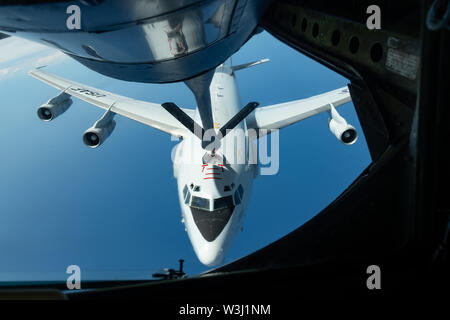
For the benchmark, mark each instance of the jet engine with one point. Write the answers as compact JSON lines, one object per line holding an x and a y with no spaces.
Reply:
{"x":344,"y":132}
{"x":54,"y":107}
{"x":100,"y":131}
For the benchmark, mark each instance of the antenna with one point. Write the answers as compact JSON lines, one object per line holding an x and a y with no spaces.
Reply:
{"x":169,"y":274}
{"x":181,"y":267}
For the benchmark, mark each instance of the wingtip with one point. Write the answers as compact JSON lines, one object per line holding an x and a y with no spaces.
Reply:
{"x":30,"y":72}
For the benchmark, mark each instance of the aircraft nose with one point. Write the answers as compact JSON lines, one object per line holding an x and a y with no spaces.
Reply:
{"x":211,"y":254}
{"x":211,"y":224}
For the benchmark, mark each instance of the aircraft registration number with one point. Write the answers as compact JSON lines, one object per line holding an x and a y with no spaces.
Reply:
{"x":89,"y":92}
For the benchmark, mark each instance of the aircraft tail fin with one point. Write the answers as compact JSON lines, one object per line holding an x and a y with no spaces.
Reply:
{"x":248,"y":65}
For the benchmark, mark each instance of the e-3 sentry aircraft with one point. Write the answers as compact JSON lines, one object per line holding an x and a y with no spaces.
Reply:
{"x":213,"y":188}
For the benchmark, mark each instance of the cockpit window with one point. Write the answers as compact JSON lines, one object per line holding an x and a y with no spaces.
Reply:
{"x":201,"y":203}
{"x":238,"y":195}
{"x":241,"y":191}
{"x":225,"y":202}
{"x":185,"y":189}
{"x":188,"y":198}
{"x":237,"y":198}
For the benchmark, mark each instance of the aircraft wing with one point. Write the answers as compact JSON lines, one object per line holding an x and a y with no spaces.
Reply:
{"x":284,"y":114}
{"x":151,"y":114}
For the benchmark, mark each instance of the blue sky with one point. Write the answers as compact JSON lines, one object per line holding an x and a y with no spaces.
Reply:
{"x":113,"y":210}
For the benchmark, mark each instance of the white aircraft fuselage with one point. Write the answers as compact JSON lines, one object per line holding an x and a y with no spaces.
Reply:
{"x":214,"y":176}
{"x":214,"y":191}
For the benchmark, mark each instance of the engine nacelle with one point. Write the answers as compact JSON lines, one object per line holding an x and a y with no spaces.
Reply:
{"x":96,"y":135}
{"x":100,"y":131}
{"x":54,"y":107}
{"x":344,"y":132}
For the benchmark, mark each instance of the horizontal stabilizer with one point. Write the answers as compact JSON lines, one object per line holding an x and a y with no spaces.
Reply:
{"x":248,"y":65}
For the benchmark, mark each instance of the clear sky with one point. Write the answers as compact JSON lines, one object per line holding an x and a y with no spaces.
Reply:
{"x":113,"y":210}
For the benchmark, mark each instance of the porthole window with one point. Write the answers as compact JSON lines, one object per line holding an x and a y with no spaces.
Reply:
{"x":354,"y":45}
